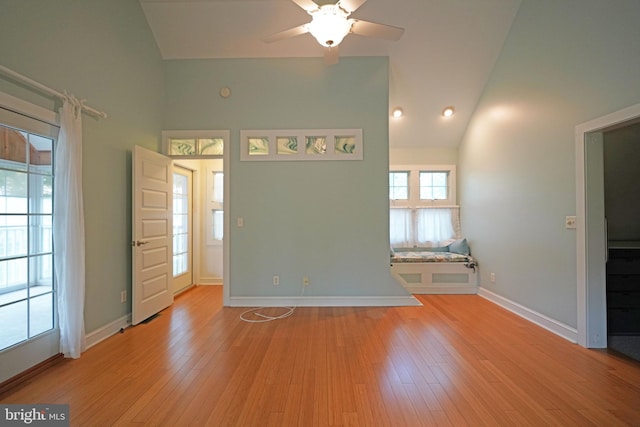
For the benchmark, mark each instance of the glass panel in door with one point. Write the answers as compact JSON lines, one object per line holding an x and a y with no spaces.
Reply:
{"x":182,"y":229}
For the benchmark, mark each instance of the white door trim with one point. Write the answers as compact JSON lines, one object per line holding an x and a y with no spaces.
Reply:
{"x":591,"y":305}
{"x":226,"y":275}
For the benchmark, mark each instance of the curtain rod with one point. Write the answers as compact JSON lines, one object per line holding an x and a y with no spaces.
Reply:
{"x":47,"y":90}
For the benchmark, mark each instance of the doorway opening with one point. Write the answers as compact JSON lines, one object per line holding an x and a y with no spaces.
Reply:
{"x":198,"y":215}
{"x":205,"y":154}
{"x":591,"y":237}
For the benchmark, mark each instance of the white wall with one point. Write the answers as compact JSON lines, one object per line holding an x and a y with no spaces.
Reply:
{"x":564,"y":62}
{"x":423,"y":156}
{"x":211,"y":254}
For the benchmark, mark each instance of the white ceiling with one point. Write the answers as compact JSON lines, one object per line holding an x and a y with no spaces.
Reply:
{"x":444,"y":57}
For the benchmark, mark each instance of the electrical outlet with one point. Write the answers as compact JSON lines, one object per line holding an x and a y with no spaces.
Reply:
{"x":123,"y":296}
{"x":493,"y":277}
{"x":570,"y":222}
{"x":305,"y":281}
{"x":276,"y":280}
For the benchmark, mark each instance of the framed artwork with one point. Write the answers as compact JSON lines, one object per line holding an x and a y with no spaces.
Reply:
{"x":301,"y":145}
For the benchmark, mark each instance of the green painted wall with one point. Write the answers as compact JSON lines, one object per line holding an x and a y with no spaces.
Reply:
{"x":102,"y":51}
{"x":324,"y":220}
{"x":564,"y":62}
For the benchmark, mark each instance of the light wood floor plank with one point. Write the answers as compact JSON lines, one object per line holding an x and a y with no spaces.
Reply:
{"x":458,"y":360}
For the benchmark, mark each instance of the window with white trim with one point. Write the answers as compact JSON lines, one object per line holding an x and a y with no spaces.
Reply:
{"x":181,"y":226}
{"x":399,"y":185}
{"x":423,"y":210}
{"x":215,"y":207}
{"x":429,"y":185}
{"x":434,"y":185}
{"x":27,"y":287}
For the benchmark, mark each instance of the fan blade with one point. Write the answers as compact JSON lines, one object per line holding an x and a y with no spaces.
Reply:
{"x":351,"y":5}
{"x":371,"y":29}
{"x":331,"y":55}
{"x":308,"y":5}
{"x":291,"y":32}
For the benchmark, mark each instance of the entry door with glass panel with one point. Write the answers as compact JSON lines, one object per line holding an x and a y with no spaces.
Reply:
{"x":182,"y":228}
{"x":27,"y":291}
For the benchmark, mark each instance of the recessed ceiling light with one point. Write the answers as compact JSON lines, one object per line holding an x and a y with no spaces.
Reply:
{"x":448,"y":111}
{"x":397,"y":112}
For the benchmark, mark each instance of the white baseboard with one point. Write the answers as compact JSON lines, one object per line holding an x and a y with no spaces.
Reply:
{"x":107,"y":330}
{"x":400,"y":301}
{"x":552,"y":325}
{"x":27,"y":354}
{"x":210,"y":281}
{"x":445,"y":289}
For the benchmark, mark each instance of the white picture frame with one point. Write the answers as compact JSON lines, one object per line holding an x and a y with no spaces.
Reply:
{"x":301,"y":145}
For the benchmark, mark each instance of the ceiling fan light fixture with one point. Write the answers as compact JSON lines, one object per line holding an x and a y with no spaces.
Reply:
{"x":329,"y":25}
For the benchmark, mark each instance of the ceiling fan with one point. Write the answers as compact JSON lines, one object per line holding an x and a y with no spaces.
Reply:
{"x":330,"y":23}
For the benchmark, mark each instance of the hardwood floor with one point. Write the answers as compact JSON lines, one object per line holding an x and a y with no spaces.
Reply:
{"x":458,"y":360}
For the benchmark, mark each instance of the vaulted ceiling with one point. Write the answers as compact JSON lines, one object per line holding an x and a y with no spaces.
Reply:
{"x":444,"y":57}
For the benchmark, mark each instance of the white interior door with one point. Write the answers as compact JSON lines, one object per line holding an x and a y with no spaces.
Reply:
{"x":152,"y":234}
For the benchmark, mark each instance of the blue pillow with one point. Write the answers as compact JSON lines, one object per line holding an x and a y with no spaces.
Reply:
{"x":460,"y":247}
{"x":436,"y":249}
{"x":423,"y":249}
{"x":430,"y":249}
{"x":403,"y":249}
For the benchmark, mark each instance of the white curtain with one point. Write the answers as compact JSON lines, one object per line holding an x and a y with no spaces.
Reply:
{"x":68,"y":229}
{"x":437,"y":226}
{"x":400,"y":228}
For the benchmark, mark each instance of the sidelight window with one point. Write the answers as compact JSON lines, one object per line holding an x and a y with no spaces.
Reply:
{"x":27,"y":286}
